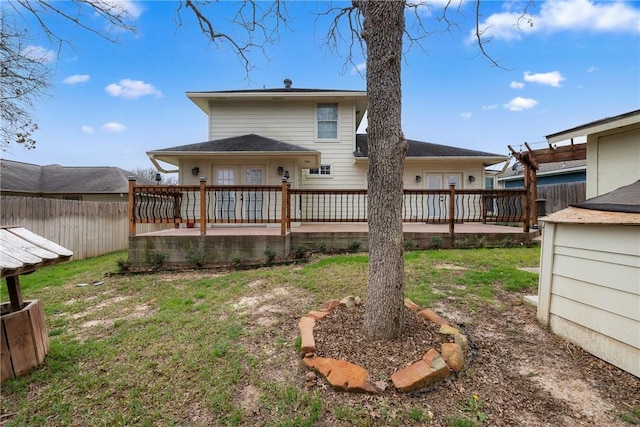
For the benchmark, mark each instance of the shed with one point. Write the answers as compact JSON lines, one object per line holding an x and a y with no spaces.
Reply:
{"x":589,"y":286}
{"x":24,"y":341}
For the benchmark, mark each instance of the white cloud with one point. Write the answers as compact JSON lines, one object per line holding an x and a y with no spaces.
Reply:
{"x":359,"y":68}
{"x":132,"y":89}
{"x":39,"y":54}
{"x":77,"y":78}
{"x":564,"y":15}
{"x":87,"y":130}
{"x":552,"y":78}
{"x":518,"y":104}
{"x":130,"y":9}
{"x":516,"y":85}
{"x":466,"y":115}
{"x":113,"y":127}
{"x":592,"y":69}
{"x":490,"y":107}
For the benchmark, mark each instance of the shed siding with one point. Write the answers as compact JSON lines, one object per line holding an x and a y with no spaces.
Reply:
{"x":590,"y":289}
{"x":612,"y":160}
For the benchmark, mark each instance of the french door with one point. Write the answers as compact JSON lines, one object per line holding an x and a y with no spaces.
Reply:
{"x":438,"y":205}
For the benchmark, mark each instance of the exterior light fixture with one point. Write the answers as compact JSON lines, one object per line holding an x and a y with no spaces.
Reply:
{"x":286,"y":174}
{"x":472,"y":178}
{"x":280,"y":170}
{"x":195,"y":171}
{"x":158,"y":178}
{"x":418,"y":178}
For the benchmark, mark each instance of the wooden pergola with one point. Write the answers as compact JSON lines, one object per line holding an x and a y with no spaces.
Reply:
{"x":531,"y":160}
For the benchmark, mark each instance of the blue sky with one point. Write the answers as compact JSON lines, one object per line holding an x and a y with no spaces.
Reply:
{"x":579,"y":61}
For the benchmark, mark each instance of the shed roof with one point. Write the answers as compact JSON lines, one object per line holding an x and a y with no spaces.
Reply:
{"x":624,"y":199}
{"x":30,"y":178}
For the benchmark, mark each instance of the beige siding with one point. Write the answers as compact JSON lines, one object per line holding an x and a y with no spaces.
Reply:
{"x":612,"y":160}
{"x":589,"y":289}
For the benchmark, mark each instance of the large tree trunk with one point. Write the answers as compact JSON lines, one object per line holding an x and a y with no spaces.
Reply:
{"x":383,"y":32}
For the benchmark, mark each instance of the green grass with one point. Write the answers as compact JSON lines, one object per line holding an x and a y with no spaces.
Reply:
{"x":171,"y":349}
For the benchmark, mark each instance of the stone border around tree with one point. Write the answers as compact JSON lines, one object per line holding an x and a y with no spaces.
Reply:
{"x":345,"y":376}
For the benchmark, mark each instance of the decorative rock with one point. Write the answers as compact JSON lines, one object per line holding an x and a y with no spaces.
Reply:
{"x":411,"y":305}
{"x":358,"y":300}
{"x":331,"y":304}
{"x":431,"y":369}
{"x":429,"y":314}
{"x":342,"y":375}
{"x":454,"y":356}
{"x":349,"y":301}
{"x":462,"y":341}
{"x":318,"y":315}
{"x":448,"y":330}
{"x":308,"y":343}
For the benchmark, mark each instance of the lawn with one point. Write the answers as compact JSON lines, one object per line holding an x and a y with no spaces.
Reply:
{"x":219,"y":347}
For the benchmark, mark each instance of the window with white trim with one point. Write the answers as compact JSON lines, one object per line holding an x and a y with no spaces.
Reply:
{"x":327,"y":121}
{"x":323,"y":170}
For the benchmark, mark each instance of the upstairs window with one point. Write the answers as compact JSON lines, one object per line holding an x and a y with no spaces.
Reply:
{"x":327,"y":121}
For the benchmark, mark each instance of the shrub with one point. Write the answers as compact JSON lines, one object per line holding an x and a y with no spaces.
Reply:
{"x":123,"y":265}
{"x":354,"y":246}
{"x":270,"y":254}
{"x":300,"y":252}
{"x":322,"y":247}
{"x":155,"y":259}
{"x":196,"y":257}
{"x":410,"y":245}
{"x":237,"y":260}
{"x":436,"y":242}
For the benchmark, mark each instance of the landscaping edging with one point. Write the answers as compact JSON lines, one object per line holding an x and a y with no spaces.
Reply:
{"x":345,"y":376}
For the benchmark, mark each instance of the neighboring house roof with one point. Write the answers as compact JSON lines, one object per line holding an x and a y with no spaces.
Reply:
{"x":427,"y":150}
{"x":516,"y":171}
{"x":602,"y":125}
{"x":18,"y":177}
{"x":624,"y":199}
{"x":246,"y":145}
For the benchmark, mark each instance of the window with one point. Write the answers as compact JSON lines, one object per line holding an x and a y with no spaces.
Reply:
{"x":323,"y":170}
{"x":327,"y":121}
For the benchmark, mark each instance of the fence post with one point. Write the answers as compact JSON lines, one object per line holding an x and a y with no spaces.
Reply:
{"x":527,"y":198}
{"x":132,"y":219}
{"x":452,"y":209}
{"x":203,"y":206}
{"x":284,"y":215}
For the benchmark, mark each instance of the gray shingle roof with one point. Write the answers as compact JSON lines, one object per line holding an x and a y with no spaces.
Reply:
{"x":30,"y":178}
{"x":244,"y":143}
{"x":624,"y":199}
{"x":424,"y":149}
{"x":548,"y":168}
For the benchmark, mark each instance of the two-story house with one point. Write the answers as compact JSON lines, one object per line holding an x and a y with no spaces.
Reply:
{"x":257,"y":137}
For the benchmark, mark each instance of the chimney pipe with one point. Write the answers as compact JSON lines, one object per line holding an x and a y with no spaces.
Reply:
{"x":287,"y":83}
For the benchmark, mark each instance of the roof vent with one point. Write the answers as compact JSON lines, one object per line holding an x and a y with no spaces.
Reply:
{"x":287,"y":83}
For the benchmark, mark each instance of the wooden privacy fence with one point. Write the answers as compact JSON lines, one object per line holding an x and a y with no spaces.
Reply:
{"x":88,"y":229}
{"x":560,"y":196}
{"x":199,"y":205}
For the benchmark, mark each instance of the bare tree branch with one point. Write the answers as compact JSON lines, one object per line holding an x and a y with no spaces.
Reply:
{"x":260,"y":22}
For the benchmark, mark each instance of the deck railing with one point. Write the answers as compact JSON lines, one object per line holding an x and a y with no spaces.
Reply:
{"x":199,"y":205}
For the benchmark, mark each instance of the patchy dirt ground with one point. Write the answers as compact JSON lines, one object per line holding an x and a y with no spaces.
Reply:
{"x":525,"y":375}
{"x":522,"y":374}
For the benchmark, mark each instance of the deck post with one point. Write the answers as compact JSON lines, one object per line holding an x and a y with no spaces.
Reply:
{"x":534,"y":197}
{"x":132,"y":220}
{"x":284,"y":214}
{"x":203,"y":206}
{"x":452,"y":209}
